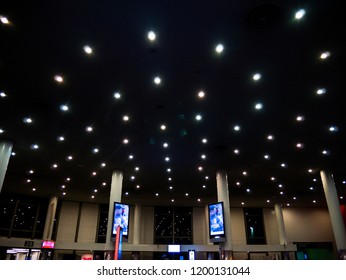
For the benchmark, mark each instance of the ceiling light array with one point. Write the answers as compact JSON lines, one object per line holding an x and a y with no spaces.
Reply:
{"x":157,"y":80}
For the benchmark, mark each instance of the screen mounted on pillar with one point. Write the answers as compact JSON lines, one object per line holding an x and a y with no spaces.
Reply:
{"x":121,"y":217}
{"x":216,"y":222}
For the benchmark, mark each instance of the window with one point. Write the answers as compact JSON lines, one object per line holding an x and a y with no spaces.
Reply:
{"x":173,"y":225}
{"x":102,"y":225}
{"x":255,"y":233}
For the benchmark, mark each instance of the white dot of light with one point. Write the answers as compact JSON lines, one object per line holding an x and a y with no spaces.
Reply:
{"x":165,"y":145}
{"x":27,"y":120}
{"x":300,"y":118}
{"x":219,"y":48}
{"x":300,"y":14}
{"x":256,"y":77}
{"x":157,"y":80}
{"x":89,"y":129}
{"x":4,"y":20}
{"x":95,"y":150}
{"x":64,"y":108}
{"x":1,"y":130}
{"x":270,"y":137}
{"x":266,"y":156}
{"x":88,"y":49}
{"x":201,"y":94}
{"x":117,"y":95}
{"x":333,"y":129}
{"x":258,"y":106}
{"x":163,"y":127}
{"x":2,"y":94}
{"x":58,"y":78}
{"x":236,"y":151}
{"x":321,"y":91}
{"x":198,"y":117}
{"x":34,"y":146}
{"x":325,"y":55}
{"x":204,"y":140}
{"x":203,"y":156}
{"x":236,"y":128}
{"x":103,"y":164}
{"x":126,"y":141}
{"x":126,"y":118}
{"x":61,"y":138}
{"x":151,"y":35}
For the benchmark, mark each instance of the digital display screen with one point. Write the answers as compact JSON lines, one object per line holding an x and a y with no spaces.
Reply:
{"x":121,"y":217}
{"x":216,"y":219}
{"x":173,"y":248}
{"x":48,"y":244}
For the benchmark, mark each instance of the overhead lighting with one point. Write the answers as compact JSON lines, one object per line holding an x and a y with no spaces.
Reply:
{"x":258,"y":106}
{"x":325,"y":55}
{"x":126,"y":118}
{"x":300,"y":118}
{"x":333,"y":129}
{"x":165,"y":145}
{"x":89,"y":129}
{"x":198,"y":117}
{"x":117,"y":95}
{"x":125,"y":141}
{"x":88,"y":50}
{"x":4,"y":20}
{"x":1,"y":131}
{"x":61,"y":138}
{"x":34,"y":146}
{"x":321,"y":91}
{"x":95,"y":150}
{"x":2,"y":94}
{"x":27,"y":120}
{"x":163,"y":127}
{"x":256,"y":77}
{"x":300,"y":14}
{"x":204,"y":140}
{"x":236,"y":128}
{"x":151,"y":35}
{"x":201,"y":94}
{"x":219,"y":48}
{"x":58,"y":78}
{"x":64,"y":107}
{"x":157,"y":80}
{"x":270,"y":137}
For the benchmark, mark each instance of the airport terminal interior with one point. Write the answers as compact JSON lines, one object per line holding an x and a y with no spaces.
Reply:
{"x":172,"y":130}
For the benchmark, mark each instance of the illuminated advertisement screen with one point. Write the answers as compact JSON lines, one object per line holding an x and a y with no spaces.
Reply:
{"x":48,"y":244}
{"x":216,"y":219}
{"x":121,"y":217}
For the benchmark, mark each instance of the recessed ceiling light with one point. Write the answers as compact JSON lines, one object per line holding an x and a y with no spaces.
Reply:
{"x":2,"y":94}
{"x":136,"y":168}
{"x":300,"y":145}
{"x":89,"y":129}
{"x":88,"y":50}
{"x":236,"y":151}
{"x":201,"y":94}
{"x":244,"y":173}
{"x":151,"y":35}
{"x":169,"y":170}
{"x":126,"y":118}
{"x":4,"y":20}
{"x":204,"y":140}
{"x":33,"y":189}
{"x":314,"y":201}
{"x":69,"y":157}
{"x":198,"y":117}
{"x":27,"y":120}
{"x":131,"y":156}
{"x":61,"y":138}
{"x":156,"y":194}
{"x":236,"y":128}
{"x":1,"y":130}
{"x":165,"y":145}
{"x":272,"y":178}
{"x":117,"y":95}
{"x":64,"y":107}
{"x":126,"y":141}
{"x":95,"y":150}
{"x":325,"y":55}
{"x":186,"y":194}
{"x":103,"y":164}
{"x":200,"y":168}
{"x":54,"y":165}
{"x":219,"y":48}
{"x":132,"y":178}
{"x":283,"y":165}
{"x":94,"y":173}
{"x":170,"y":187}
{"x":266,"y":156}
{"x":256,"y":77}
{"x":300,"y":14}
{"x":167,"y":159}
{"x":321,"y":91}
{"x":300,"y":118}
{"x":157,"y":80}
{"x":203,"y":156}
{"x":326,"y":152}
{"x":58,"y":78}
{"x":34,"y":146}
{"x":242,"y":203}
{"x":13,"y":154}
{"x":270,"y":137}
{"x":163,"y":127}
{"x":258,"y":106}
{"x":333,"y":129}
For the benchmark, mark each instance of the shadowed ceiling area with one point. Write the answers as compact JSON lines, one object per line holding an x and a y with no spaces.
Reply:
{"x":169,"y":92}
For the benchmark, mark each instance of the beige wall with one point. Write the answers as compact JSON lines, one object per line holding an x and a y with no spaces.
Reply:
{"x":147,"y":225}
{"x":238,"y":226}
{"x":308,"y":225}
{"x":271,"y":226}
{"x":199,"y":226}
{"x":67,"y":223}
{"x":88,"y":222}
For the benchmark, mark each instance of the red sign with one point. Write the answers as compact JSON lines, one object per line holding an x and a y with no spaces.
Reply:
{"x":48,"y":244}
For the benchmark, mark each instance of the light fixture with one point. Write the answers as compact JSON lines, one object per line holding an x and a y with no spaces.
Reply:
{"x":325,"y":55}
{"x":236,"y":128}
{"x":2,"y":94}
{"x":204,"y":140}
{"x":125,"y":141}
{"x":258,"y":106}
{"x":27,"y":120}
{"x":117,"y":95}
{"x":219,"y":48}
{"x":299,"y":14}
{"x":300,"y":118}
{"x":157,"y":80}
{"x":4,"y":20}
{"x":87,"y":49}
{"x":59,"y":79}
{"x":256,"y":77}
{"x":126,"y":118}
{"x":64,"y":107}
{"x":201,"y":94}
{"x":198,"y":117}
{"x":321,"y":91}
{"x":89,"y":129}
{"x":61,"y":138}
{"x":151,"y":36}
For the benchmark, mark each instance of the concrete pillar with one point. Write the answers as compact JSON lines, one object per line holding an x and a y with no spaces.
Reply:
{"x":115,"y":196}
{"x":137,"y":224}
{"x":226,"y":248}
{"x":334,"y":210}
{"x":281,"y":224}
{"x":5,"y":154}
{"x":49,"y":224}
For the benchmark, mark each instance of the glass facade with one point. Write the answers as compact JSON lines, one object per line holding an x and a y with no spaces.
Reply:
{"x":254,"y":225}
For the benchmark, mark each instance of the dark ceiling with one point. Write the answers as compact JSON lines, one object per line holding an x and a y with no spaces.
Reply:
{"x":43,"y":39}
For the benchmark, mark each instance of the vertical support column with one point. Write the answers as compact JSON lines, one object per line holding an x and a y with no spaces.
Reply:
{"x":115,"y":195}
{"x":281,"y":224}
{"x":48,"y":226}
{"x":5,"y":154}
{"x":334,"y":210}
{"x":136,"y":229}
{"x":226,"y":249}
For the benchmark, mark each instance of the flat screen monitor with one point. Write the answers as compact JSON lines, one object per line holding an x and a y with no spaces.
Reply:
{"x":216,"y":222}
{"x":121,"y":217}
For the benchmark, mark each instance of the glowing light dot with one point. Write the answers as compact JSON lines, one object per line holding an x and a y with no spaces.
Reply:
{"x":256,"y":77}
{"x":117,"y":95}
{"x":87,"y":49}
{"x":157,"y":80}
{"x":151,"y":35}
{"x":219,"y":48}
{"x":300,"y":14}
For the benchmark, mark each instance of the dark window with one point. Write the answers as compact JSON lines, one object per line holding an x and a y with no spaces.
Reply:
{"x":255,"y":233}
{"x":173,"y":225}
{"x":102,"y":225}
